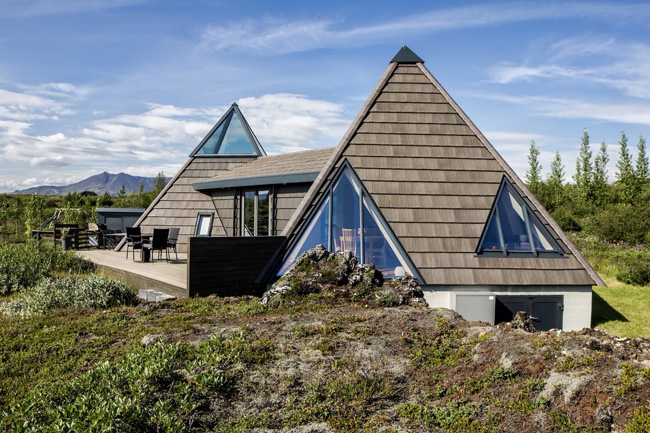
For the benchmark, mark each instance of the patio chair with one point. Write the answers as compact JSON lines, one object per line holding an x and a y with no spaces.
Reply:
{"x":157,"y":243}
{"x":133,"y":240}
{"x":172,"y":239}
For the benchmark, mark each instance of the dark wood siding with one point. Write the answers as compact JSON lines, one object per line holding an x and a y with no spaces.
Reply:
{"x":228,"y":266}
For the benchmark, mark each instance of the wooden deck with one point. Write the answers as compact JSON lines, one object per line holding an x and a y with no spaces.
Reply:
{"x":167,"y":277}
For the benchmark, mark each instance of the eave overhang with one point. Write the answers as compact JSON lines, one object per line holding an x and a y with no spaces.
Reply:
{"x":241,"y":182}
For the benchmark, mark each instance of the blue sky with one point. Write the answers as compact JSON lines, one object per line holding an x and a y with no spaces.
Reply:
{"x":133,"y":85}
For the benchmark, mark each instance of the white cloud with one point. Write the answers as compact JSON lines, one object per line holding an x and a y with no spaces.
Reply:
{"x":585,"y":60}
{"x":49,"y":161}
{"x":289,"y":121}
{"x":24,"y":106}
{"x":12,"y":8}
{"x":159,"y":137}
{"x":281,"y":36}
{"x":634,"y":113}
{"x":512,"y":146}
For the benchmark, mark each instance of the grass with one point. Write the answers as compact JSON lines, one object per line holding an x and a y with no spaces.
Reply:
{"x":67,"y":342}
{"x":621,"y":309}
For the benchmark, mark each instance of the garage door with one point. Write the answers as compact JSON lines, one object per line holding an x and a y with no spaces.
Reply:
{"x":545,"y":311}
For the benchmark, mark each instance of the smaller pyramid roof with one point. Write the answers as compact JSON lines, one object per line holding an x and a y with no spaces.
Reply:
{"x":231,"y":135}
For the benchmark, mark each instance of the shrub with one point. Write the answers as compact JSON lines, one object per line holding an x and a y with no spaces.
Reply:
{"x":637,"y":273}
{"x":566,"y":219}
{"x":630,"y":264}
{"x":23,"y":265}
{"x":71,"y":291}
{"x":621,"y":223}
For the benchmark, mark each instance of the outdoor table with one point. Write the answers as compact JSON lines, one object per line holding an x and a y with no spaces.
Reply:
{"x":114,"y":238}
{"x":146,"y":254}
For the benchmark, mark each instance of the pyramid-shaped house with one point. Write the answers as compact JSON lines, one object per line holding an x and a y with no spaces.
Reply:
{"x":415,"y":188}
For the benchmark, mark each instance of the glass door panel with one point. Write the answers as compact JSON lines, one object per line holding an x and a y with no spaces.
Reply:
{"x":345,"y":216}
{"x":248,"y":218}
{"x":263,"y":207}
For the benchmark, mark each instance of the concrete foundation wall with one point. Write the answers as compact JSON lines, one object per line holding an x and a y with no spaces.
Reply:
{"x":577,"y":299}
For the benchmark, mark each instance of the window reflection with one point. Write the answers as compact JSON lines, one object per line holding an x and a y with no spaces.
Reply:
{"x":236,"y":140}
{"x":376,"y":245}
{"x":345,"y":216}
{"x":517,"y":225}
{"x":248,"y":220}
{"x":255,"y":213}
{"x":262,"y":228}
{"x":316,"y":233}
{"x":349,"y":231}
{"x":513,"y":224}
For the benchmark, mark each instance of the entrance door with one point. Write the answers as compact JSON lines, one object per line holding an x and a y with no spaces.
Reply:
{"x":545,"y":311}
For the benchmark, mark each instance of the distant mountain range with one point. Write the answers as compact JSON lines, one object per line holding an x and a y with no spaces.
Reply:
{"x":99,"y":184}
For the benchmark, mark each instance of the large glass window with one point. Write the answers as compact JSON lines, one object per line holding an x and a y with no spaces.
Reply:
{"x":345,"y":216}
{"x":255,"y":212}
{"x":316,"y":233}
{"x":347,"y":220}
{"x":378,"y":248}
{"x":514,"y":228}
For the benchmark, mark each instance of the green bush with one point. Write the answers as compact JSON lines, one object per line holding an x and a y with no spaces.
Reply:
{"x":636,"y":273}
{"x":621,"y":223}
{"x":566,"y":219}
{"x":71,"y":291}
{"x":23,"y":265}
{"x":630,"y":264}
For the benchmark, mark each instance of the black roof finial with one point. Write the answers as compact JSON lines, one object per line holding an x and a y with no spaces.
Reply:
{"x":405,"y":55}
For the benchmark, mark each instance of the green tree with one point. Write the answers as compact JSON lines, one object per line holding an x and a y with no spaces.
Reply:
{"x":34,"y":213}
{"x":122,"y":192}
{"x":105,"y":200}
{"x":11,"y":215}
{"x":600,"y":174}
{"x":534,"y":173}
{"x":556,"y":180}
{"x":641,"y":172}
{"x":584,"y":171}
{"x":159,"y":183}
{"x":625,"y":174}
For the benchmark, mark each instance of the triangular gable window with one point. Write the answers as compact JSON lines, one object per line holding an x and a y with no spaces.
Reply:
{"x":347,"y":220}
{"x":231,"y":136}
{"x":514,"y":229}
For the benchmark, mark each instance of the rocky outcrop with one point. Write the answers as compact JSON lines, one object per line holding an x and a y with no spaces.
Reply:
{"x":340,"y":274}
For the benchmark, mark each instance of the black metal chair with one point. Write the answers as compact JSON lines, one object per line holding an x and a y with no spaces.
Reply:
{"x":133,"y":241}
{"x":172,"y":239}
{"x":157,"y":243}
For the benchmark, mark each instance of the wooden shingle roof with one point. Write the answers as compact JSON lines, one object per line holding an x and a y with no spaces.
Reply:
{"x":282,"y":168}
{"x":434,"y":177}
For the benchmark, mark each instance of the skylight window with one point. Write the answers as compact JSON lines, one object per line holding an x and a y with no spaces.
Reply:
{"x":230,"y":136}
